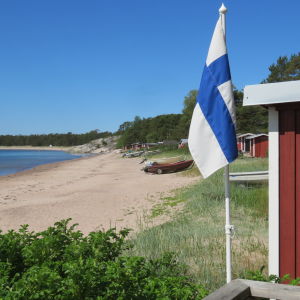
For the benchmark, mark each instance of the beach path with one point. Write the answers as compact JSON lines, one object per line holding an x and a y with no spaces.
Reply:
{"x":97,"y":192}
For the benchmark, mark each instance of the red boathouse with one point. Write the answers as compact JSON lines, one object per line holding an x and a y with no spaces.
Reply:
{"x":283,"y":102}
{"x":258,"y":145}
{"x":242,"y":143}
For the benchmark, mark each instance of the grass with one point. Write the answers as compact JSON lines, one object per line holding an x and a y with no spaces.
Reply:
{"x":170,"y":152}
{"x":167,"y":203}
{"x":196,"y":233}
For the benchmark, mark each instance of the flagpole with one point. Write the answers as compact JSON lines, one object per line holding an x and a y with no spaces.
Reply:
{"x":228,"y":226}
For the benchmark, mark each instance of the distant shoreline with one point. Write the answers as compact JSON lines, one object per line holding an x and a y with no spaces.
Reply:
{"x":54,"y":148}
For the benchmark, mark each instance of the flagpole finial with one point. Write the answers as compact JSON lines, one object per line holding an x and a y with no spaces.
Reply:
{"x":223,"y":9}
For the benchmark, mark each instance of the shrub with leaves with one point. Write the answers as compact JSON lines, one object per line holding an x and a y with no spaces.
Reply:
{"x":259,"y":275}
{"x":62,"y":263}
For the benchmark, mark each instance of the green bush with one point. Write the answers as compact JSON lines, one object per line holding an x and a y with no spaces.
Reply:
{"x":260,"y":275}
{"x":62,"y":263}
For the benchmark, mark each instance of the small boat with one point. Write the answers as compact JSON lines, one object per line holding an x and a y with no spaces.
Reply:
{"x":169,"y":160}
{"x":168,"y":167}
{"x":133,"y":154}
{"x":163,"y":160}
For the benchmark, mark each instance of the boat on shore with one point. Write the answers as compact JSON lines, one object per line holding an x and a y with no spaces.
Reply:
{"x":166,"y":160}
{"x":158,"y":168}
{"x":133,"y":154}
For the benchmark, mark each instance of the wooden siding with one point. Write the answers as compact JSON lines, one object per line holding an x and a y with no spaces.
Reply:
{"x":261,"y":146}
{"x":289,"y":189}
{"x":287,"y":218}
{"x":297,"y":192}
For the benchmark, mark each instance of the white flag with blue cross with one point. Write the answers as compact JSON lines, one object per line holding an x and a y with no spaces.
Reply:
{"x":212,"y":136}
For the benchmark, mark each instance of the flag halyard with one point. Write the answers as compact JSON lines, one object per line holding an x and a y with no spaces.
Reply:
{"x":212,"y":137}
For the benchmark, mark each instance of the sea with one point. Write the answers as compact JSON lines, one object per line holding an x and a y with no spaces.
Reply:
{"x":14,"y":161}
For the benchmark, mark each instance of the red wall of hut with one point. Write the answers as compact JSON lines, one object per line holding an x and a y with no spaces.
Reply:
{"x":259,"y":146}
{"x":289,"y":191}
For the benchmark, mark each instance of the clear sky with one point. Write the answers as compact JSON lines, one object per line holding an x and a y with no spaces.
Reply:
{"x":79,"y":65}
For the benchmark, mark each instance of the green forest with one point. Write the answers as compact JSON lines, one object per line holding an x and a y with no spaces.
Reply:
{"x":56,"y":139}
{"x":171,"y":126}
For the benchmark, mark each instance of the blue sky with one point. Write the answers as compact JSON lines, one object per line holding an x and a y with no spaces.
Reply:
{"x":75,"y":65}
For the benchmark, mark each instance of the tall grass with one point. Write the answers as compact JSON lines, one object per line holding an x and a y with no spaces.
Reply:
{"x":196,"y":233}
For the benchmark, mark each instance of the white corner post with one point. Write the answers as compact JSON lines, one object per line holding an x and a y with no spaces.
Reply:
{"x":228,"y":226}
{"x":273,"y":192}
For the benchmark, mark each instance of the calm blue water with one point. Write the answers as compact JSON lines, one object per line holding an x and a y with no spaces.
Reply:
{"x":13,"y":161}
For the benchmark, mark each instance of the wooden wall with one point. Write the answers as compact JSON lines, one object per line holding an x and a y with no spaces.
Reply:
{"x":261,"y":146}
{"x":289,"y":191}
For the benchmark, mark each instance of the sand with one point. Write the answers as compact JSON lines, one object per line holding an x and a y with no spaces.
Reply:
{"x":97,"y":192}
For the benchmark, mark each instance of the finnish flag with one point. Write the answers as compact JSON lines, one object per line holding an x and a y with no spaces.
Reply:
{"x":212,"y":137}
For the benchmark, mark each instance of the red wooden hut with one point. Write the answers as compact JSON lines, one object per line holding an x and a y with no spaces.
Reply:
{"x":242,"y":144}
{"x":283,"y":102}
{"x":258,"y":145}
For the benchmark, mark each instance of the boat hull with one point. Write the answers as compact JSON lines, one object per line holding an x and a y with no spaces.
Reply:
{"x":168,"y":168}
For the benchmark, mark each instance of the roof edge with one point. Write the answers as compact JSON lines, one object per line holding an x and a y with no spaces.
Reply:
{"x":272,"y":93}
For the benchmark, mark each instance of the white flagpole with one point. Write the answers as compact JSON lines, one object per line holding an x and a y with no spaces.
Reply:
{"x":228,"y":226}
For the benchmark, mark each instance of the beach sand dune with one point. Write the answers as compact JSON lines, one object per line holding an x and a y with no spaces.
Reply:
{"x":97,"y":192}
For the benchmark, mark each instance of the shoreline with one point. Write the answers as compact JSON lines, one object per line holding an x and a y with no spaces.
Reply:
{"x":45,"y":167}
{"x":54,"y":148}
{"x":98,"y":192}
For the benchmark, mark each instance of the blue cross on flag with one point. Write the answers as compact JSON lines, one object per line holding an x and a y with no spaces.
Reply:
{"x":212,"y":137}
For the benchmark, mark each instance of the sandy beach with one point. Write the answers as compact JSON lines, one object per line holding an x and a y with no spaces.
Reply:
{"x":97,"y":192}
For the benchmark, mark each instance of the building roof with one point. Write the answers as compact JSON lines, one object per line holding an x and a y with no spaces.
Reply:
{"x":244,"y":134}
{"x":272,"y":93}
{"x":256,"y":136}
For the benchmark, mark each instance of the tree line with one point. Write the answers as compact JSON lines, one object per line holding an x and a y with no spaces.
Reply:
{"x":149,"y":130}
{"x":54,"y":139}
